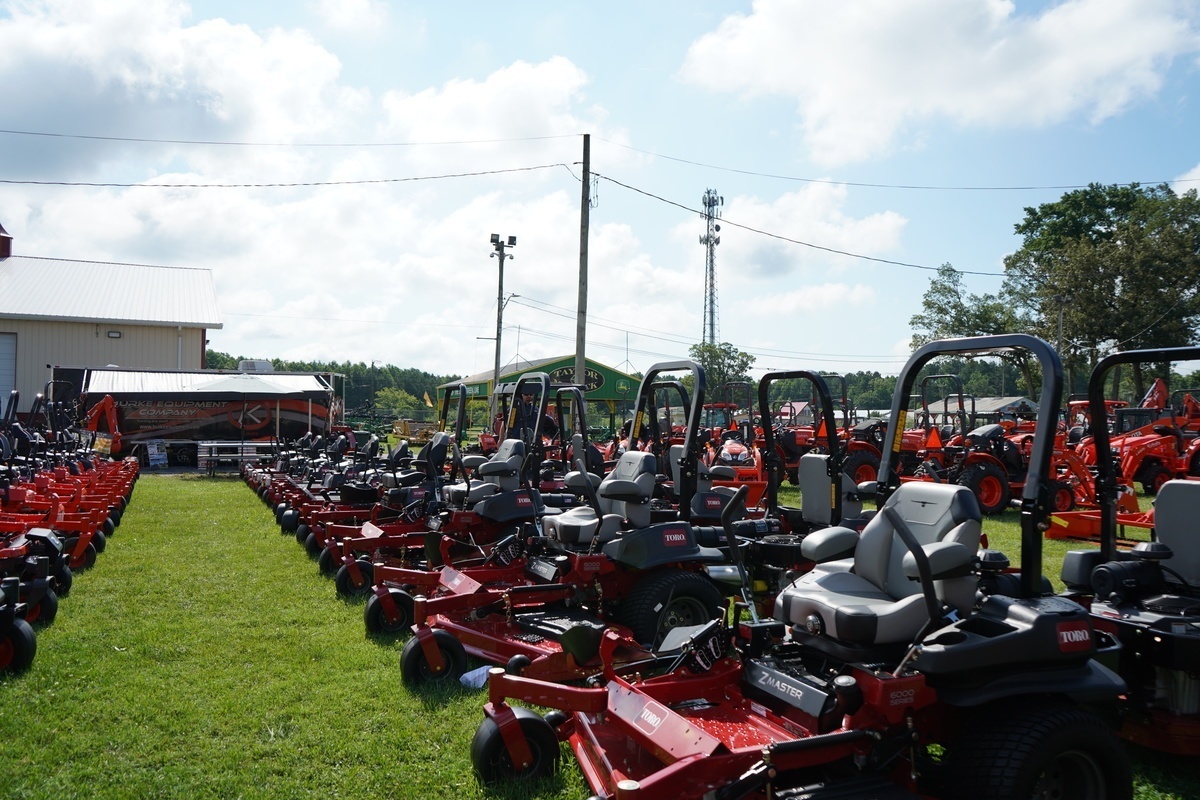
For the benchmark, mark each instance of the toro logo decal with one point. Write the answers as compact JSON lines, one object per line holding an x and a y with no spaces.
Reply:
{"x":712,"y":502}
{"x":651,"y":718}
{"x":524,"y":500}
{"x":1074,"y":637}
{"x":676,"y":537}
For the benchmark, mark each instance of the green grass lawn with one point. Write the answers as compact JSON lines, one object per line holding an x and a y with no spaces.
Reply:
{"x":204,"y":656}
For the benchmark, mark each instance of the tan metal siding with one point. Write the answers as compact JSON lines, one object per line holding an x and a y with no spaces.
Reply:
{"x":72,"y":344}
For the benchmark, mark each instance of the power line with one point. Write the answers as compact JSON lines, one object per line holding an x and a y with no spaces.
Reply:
{"x":362,"y":182}
{"x":800,"y":242}
{"x":220,"y":143}
{"x":904,"y":186}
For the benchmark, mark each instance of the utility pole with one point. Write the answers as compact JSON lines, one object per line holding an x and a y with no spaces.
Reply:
{"x":585,"y":204}
{"x":498,"y":251}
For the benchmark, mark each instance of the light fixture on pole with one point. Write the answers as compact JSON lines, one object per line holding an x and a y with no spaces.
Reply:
{"x":499,"y":245}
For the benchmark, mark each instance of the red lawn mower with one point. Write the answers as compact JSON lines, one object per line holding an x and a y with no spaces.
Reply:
{"x":1149,"y":596}
{"x":914,"y":668}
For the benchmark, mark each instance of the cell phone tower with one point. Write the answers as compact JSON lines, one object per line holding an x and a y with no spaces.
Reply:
{"x":710,"y":239}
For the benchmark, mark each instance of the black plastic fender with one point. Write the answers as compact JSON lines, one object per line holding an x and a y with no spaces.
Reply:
{"x":664,"y":543}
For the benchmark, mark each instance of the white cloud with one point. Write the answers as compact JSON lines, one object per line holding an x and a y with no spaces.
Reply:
{"x":1187,"y":181}
{"x":866,"y":74}
{"x":359,"y":17}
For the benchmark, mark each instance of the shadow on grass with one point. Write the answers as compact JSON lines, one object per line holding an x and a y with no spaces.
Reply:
{"x":1163,"y":774}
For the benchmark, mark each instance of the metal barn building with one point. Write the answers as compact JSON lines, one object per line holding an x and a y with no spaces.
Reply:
{"x":75,"y":313}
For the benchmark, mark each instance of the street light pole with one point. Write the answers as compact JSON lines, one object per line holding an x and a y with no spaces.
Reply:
{"x":498,"y":245}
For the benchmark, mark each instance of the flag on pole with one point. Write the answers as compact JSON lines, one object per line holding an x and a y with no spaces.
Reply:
{"x":428,"y":402}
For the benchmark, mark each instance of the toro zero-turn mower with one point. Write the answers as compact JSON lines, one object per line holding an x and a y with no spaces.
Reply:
{"x":1147,"y":596}
{"x":899,"y":671}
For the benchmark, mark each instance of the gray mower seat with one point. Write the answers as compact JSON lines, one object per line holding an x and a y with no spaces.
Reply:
{"x":624,"y":497}
{"x":501,"y":473}
{"x":1177,"y":525}
{"x":816,"y":502}
{"x":873,"y":597}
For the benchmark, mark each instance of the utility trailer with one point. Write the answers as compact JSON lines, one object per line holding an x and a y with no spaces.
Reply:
{"x":180,"y":409}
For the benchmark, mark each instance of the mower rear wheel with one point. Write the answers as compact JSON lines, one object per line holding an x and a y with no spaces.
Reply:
{"x":491,"y":758}
{"x":861,"y":466}
{"x":18,"y":644}
{"x":346,"y":584}
{"x":376,"y":618}
{"x":668,"y":599}
{"x":99,"y":541}
{"x":989,"y":484}
{"x":1062,"y":497}
{"x":415,"y":669}
{"x":289,"y":520}
{"x":44,"y":610}
{"x":1039,"y":751}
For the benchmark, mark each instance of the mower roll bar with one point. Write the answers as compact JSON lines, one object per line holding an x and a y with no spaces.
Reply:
{"x":836,"y":453}
{"x":688,"y":469}
{"x":1035,"y":510}
{"x":1106,"y":474}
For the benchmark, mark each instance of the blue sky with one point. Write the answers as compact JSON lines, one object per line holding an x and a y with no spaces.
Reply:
{"x":788,"y":109}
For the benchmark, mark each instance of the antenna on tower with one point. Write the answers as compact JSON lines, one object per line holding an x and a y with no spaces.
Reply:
{"x":710,"y":239}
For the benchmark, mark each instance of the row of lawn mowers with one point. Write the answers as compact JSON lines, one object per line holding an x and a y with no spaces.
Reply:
{"x":59,"y":501}
{"x":689,"y":647}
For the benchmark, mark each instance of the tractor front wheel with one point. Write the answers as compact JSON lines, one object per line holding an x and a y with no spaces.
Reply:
{"x":669,"y":599}
{"x":1062,"y":497}
{"x":376,"y":618}
{"x":1039,"y":751}
{"x":414,"y":666}
{"x":490,"y":756}
{"x":18,"y":644}
{"x":1153,"y":476}
{"x":989,"y":484}
{"x":861,"y":466}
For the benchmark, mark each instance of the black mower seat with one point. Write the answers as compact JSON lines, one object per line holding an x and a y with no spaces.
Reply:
{"x":872,"y":598}
{"x":499,"y":474}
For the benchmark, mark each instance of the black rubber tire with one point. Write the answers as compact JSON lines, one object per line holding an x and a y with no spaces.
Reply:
{"x":302,"y":532}
{"x":85,"y":561}
{"x":414,"y":668}
{"x":345,"y":584}
{"x":666,"y":599}
{"x":99,"y":541}
{"x":1153,"y":476}
{"x":108,"y":527}
{"x":289,"y":520}
{"x":989,"y":484}
{"x":279,"y":509}
{"x":1062,"y":497}
{"x":376,"y":620}
{"x":61,"y":579}
{"x":312,"y":546}
{"x":44,"y":611}
{"x":861,"y":465}
{"x":1043,"y":750}
{"x":327,"y":563}
{"x":18,"y":645}
{"x":490,"y":757}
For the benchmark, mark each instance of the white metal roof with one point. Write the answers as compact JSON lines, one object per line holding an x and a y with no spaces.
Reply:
{"x":113,"y":381}
{"x":48,"y":289}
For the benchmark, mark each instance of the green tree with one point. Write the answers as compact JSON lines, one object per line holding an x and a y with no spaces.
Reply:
{"x":395,"y":400}
{"x":1121,"y":264}
{"x":217,"y":360}
{"x":723,"y":363}
{"x":949,"y":312}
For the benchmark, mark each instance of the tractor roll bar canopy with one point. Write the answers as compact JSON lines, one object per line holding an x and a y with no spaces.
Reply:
{"x":1106,"y":473}
{"x":770,"y":456}
{"x":1035,"y":510}
{"x":460,"y":415}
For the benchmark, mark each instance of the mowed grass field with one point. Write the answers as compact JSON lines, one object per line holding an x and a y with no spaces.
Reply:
{"x":205,"y":656}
